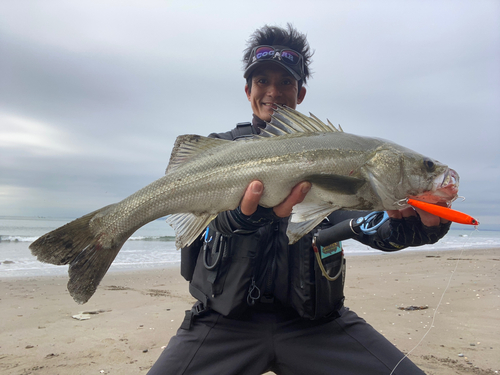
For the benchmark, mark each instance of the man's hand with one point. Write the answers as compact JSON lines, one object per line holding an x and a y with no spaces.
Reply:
{"x":429,"y":220}
{"x":254,"y":192}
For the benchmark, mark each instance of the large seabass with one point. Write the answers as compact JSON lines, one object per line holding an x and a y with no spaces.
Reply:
{"x":206,"y":176}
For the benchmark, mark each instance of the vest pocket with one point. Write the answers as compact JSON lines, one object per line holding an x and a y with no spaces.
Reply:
{"x":237,"y":265}
{"x":329,"y":294}
{"x":311,"y":294}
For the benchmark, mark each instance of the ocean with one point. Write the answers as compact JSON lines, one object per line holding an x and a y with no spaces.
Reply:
{"x":153,"y":246}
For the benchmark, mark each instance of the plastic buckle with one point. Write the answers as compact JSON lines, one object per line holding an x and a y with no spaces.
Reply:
{"x":198,"y":308}
{"x":187,"y":323}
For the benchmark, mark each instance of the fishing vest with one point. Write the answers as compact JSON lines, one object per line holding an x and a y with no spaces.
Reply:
{"x":232,"y":274}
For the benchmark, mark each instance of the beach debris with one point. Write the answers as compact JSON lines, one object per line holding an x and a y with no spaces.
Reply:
{"x":157,"y":293}
{"x":116,"y":287}
{"x":413,"y":308}
{"x":81,"y":317}
{"x":459,"y":259}
{"x":85,"y":315}
{"x":95,"y":312}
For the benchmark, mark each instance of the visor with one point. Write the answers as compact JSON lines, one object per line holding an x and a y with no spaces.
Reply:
{"x":289,"y":59}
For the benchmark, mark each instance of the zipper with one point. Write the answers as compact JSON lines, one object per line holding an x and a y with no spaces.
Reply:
{"x":253,"y":293}
{"x":301,"y":268}
{"x":274,"y":250}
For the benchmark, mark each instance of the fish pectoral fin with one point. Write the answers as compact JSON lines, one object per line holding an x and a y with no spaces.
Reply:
{"x":296,"y":231}
{"x":188,"y":227}
{"x":336,"y":183}
{"x":305,"y":217}
{"x":189,"y":146}
{"x":307,"y":211}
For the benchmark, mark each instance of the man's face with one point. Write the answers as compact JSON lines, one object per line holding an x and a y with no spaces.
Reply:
{"x":271,"y":84}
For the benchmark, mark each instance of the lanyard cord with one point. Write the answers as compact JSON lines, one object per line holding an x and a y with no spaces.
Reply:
{"x":320,"y":262}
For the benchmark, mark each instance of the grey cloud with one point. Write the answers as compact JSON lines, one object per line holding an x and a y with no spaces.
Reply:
{"x":120,"y":83}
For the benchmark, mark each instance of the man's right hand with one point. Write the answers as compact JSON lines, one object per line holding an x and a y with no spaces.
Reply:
{"x":254,"y":192}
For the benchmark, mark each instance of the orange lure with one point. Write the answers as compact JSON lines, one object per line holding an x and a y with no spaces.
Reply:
{"x":444,"y":212}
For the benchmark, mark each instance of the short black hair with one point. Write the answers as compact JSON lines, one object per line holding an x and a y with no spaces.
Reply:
{"x":274,"y":35}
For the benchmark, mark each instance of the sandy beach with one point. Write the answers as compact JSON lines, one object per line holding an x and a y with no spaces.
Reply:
{"x":133,"y":315}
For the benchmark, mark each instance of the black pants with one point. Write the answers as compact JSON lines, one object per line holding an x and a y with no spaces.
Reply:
{"x":216,"y":345}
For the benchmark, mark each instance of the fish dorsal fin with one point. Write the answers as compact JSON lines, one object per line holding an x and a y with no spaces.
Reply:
{"x":189,"y":146}
{"x":286,"y":120}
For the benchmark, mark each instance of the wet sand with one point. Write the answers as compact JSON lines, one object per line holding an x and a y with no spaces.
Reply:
{"x":133,"y":315}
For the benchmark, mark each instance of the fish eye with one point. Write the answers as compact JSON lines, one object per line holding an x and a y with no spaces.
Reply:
{"x":429,"y":165}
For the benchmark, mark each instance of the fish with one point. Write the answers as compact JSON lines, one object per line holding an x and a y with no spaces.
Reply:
{"x":206,"y":176}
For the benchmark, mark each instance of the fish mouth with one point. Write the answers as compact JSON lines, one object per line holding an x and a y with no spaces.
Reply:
{"x":450,"y":182}
{"x":444,"y":189}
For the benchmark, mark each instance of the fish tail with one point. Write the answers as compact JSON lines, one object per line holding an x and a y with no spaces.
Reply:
{"x":77,"y":245}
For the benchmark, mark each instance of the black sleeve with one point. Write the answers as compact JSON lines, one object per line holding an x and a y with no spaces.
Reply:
{"x":394,"y":234}
{"x":340,"y":215}
{"x":397,"y":234}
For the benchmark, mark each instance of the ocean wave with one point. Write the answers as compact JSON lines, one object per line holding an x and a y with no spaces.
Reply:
{"x":12,"y":238}
{"x":17,"y":238}
{"x":152,"y":238}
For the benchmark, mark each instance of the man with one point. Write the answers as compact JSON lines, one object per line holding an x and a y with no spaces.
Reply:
{"x":264,"y":305}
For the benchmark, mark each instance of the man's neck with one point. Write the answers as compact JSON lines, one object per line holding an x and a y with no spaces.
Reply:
{"x":258,"y":123}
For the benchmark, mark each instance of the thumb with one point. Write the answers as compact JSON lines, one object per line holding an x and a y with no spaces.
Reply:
{"x":251,"y":199}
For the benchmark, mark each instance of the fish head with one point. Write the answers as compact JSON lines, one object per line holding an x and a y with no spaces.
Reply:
{"x":396,"y":173}
{"x":444,"y":189}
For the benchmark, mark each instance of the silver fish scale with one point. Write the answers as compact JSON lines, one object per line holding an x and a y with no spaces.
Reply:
{"x":216,"y":182}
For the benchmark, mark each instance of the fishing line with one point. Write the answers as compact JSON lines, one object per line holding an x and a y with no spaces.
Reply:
{"x":437,"y":307}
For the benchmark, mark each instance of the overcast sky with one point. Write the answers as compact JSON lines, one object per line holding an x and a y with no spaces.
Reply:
{"x":94,"y":93}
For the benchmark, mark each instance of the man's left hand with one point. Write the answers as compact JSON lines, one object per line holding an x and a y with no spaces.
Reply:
{"x":255,"y":190}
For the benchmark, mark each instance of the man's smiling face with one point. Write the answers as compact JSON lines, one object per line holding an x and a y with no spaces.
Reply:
{"x":271,"y":84}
